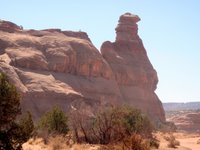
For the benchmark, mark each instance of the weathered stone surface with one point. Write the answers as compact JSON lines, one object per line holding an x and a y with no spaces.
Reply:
{"x":54,"y":67}
{"x":8,"y":26}
{"x":127,"y":28}
{"x":132,"y":69}
{"x":186,"y":120}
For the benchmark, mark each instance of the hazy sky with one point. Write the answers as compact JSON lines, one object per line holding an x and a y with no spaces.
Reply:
{"x":170,"y":31}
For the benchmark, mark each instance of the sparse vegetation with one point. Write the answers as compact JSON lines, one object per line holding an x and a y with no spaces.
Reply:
{"x":53,"y":124}
{"x":57,"y":142}
{"x":153,"y":142}
{"x":117,"y":128}
{"x":54,"y":121}
{"x":12,"y":133}
{"x":198,"y":142}
{"x":172,"y":142}
{"x":134,"y":142}
{"x":110,"y":125}
{"x":9,"y":104}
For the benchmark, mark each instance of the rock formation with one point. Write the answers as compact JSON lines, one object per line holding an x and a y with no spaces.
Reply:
{"x":185,"y":120}
{"x":54,"y":67}
{"x":133,"y":72}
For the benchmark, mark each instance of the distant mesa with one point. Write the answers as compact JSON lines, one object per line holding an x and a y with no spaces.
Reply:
{"x":186,"y":116}
{"x":54,"y":67}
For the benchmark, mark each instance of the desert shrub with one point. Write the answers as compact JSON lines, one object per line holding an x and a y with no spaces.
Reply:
{"x":198,"y":141}
{"x":27,"y":126}
{"x":9,"y":103}
{"x":12,"y":133}
{"x":153,"y":142}
{"x":136,"y":142}
{"x":172,"y":142}
{"x":81,"y":125}
{"x":22,"y":130}
{"x":136,"y":122}
{"x":54,"y":121}
{"x":167,"y":127}
{"x":110,"y":147}
{"x":133,"y":142}
{"x":109,"y":125}
{"x":57,"y":142}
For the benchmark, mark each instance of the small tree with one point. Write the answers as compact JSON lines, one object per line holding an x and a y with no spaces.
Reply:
{"x":12,"y":134}
{"x":21,"y":131}
{"x":136,"y":122}
{"x":26,"y":127}
{"x":9,"y":103}
{"x":55,"y":121}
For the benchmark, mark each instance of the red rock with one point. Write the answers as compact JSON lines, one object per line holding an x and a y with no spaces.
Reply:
{"x":79,"y":34}
{"x":135,"y":76}
{"x":186,"y":120}
{"x":8,"y":26}
{"x":54,"y":67}
{"x":127,"y":28}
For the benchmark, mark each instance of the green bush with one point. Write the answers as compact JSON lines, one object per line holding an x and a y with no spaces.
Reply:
{"x":136,"y":122}
{"x":26,"y":126}
{"x":55,"y":121}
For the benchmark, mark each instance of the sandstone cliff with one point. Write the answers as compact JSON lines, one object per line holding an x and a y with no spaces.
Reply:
{"x":55,"y":67}
{"x":134,"y":74}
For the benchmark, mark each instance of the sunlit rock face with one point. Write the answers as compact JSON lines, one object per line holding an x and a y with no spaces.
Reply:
{"x":54,"y":67}
{"x":133,"y":72}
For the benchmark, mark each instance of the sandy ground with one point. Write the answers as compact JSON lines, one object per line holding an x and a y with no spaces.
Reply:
{"x":187,"y":142}
{"x":38,"y":144}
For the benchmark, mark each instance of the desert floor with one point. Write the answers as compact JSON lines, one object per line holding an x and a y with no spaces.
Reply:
{"x":187,"y":141}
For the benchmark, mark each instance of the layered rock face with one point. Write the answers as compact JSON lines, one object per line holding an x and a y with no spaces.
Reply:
{"x":54,"y":67}
{"x":186,"y":120}
{"x":133,"y":72}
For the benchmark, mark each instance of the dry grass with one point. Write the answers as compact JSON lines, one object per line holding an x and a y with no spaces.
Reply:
{"x":57,"y":143}
{"x":84,"y":147}
{"x":134,"y":142}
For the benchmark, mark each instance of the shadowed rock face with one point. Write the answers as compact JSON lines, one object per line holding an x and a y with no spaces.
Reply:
{"x":53,"y":67}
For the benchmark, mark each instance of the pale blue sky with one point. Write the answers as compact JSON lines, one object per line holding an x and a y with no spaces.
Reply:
{"x":170,"y":31}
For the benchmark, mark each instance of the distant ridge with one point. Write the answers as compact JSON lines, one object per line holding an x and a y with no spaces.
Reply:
{"x":181,"y":106}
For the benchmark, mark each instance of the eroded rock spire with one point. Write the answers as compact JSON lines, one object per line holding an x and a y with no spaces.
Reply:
{"x":127,"y":28}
